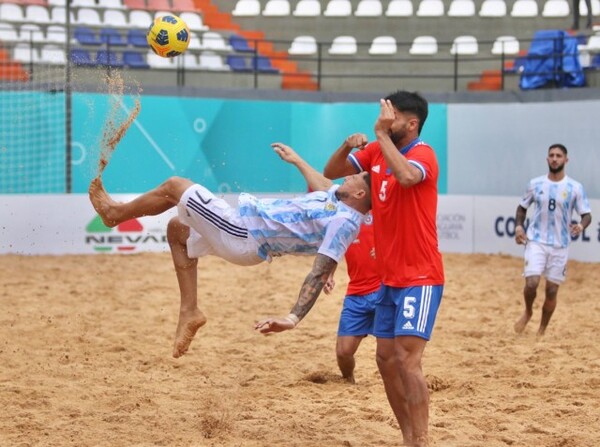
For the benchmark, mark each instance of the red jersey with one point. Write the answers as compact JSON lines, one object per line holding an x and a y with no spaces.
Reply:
{"x":404,"y":218}
{"x":362,"y":268}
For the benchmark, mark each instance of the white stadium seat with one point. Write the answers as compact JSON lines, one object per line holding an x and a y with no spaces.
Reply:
{"x":424,"y":46}
{"x":556,"y":8}
{"x":277,"y":8}
{"x":461,"y":8}
{"x":369,"y":8}
{"x":465,"y":45}
{"x":492,"y":8}
{"x":430,"y":8}
{"x":399,"y":8}
{"x":246,"y":8}
{"x":343,"y":45}
{"x":506,"y":45}
{"x":524,"y":8}
{"x":303,"y":45}
{"x":338,"y":8}
{"x":383,"y":45}
{"x":307,"y":8}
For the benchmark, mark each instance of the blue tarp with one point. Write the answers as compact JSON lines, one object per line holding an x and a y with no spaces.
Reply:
{"x":552,"y":59}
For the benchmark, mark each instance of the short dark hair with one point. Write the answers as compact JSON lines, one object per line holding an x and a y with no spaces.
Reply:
{"x":558,"y":146}
{"x":368,"y":180}
{"x":409,"y":102}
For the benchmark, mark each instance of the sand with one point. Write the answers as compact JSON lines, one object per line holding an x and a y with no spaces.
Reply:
{"x":86,"y":341}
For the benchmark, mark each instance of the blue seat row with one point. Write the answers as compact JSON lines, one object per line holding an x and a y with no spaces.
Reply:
{"x":131,"y":59}
{"x":110,"y":36}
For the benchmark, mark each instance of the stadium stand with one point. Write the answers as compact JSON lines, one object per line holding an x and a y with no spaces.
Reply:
{"x":307,"y":8}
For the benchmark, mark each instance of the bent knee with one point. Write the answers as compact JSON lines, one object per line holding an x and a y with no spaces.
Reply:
{"x":177,"y":232}
{"x":175,"y":186}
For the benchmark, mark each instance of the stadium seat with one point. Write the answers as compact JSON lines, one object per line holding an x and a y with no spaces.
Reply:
{"x":88,"y":16}
{"x":214,"y":41}
{"x":595,"y":62}
{"x":112,"y":37}
{"x":158,"y":5}
{"x":53,"y":55}
{"x":82,"y":57}
{"x":238,"y":63}
{"x":492,"y":8}
{"x":461,"y":8}
{"x":556,"y":8}
{"x":399,"y":8}
{"x":343,"y":45}
{"x":524,"y":8}
{"x":134,"y":59}
{"x":8,"y":33}
{"x":30,"y":32}
{"x":108,"y":58}
{"x":193,"y":21}
{"x":111,"y":4}
{"x":10,"y":12}
{"x":162,"y":63}
{"x":246,"y":8}
{"x":58,"y":15}
{"x":338,"y":8}
{"x":115,"y":18}
{"x":369,"y":8}
{"x":239,"y":44}
{"x":303,"y":45}
{"x":139,"y":18}
{"x":83,"y":3}
{"x":465,"y":45}
{"x":583,"y":10}
{"x":137,"y":38}
{"x":212,"y":61}
{"x":55,"y":34}
{"x":53,"y":3}
{"x":86,"y":36}
{"x":424,"y":46}
{"x":307,"y":8}
{"x":190,"y":61}
{"x":430,"y":8}
{"x":263,"y":65}
{"x":506,"y":45}
{"x":383,"y":45}
{"x":276,"y":8}
{"x":195,"y":43}
{"x":25,"y":53}
{"x":184,"y":6}
{"x":37,"y":14}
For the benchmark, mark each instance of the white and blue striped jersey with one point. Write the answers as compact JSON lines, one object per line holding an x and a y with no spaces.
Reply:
{"x":554,"y":206}
{"x":314,"y":223}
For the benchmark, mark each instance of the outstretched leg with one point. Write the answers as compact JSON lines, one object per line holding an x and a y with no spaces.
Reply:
{"x":549,"y":306}
{"x":529,"y":294}
{"x":190,"y":317}
{"x":152,"y":203}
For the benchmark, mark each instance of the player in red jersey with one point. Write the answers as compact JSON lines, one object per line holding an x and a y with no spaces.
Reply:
{"x":358,"y":312}
{"x":404,"y":173}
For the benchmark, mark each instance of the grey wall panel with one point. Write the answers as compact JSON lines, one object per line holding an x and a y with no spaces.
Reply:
{"x":494,"y":149}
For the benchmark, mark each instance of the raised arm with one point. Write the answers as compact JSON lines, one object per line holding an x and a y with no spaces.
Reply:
{"x":315,"y":180}
{"x":322,"y":268}
{"x":338,"y":164}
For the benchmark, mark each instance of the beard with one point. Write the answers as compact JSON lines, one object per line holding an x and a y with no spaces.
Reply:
{"x":397,"y":136}
{"x":556,"y":170}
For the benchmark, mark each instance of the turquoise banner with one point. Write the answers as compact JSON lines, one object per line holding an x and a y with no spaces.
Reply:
{"x":223,"y":144}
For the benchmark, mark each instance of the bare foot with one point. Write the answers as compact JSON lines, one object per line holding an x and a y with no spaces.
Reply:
{"x":520,"y":325}
{"x":101,"y":201}
{"x":188,"y":325}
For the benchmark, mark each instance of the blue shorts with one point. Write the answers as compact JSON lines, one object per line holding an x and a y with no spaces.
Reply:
{"x":358,"y":315}
{"x":407,"y":311}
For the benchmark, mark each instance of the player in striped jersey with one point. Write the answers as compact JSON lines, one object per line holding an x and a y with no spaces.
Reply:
{"x":323,"y":223}
{"x":547,"y":239}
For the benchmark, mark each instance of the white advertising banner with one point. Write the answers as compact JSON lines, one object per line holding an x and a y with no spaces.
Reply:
{"x":67,"y":224}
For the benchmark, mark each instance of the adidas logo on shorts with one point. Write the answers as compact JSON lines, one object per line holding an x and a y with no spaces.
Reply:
{"x":408,"y":326}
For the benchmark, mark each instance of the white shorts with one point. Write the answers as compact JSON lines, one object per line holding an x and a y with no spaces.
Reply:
{"x":216,"y":228}
{"x":541,"y":259}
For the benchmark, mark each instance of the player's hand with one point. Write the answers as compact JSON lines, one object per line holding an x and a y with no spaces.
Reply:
{"x":356,"y":140}
{"x":286,"y":153}
{"x":386,"y":116}
{"x":576,"y":229}
{"x":329,"y":285}
{"x":269,"y":325}
{"x":520,"y":236}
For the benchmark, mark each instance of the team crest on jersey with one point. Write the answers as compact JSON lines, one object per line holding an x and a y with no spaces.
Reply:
{"x":368,"y":219}
{"x":330,"y":207}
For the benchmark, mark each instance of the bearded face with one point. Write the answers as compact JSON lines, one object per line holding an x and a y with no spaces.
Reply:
{"x":556,"y":161}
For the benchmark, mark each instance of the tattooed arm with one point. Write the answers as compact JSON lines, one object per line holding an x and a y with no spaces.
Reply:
{"x":322,"y":268}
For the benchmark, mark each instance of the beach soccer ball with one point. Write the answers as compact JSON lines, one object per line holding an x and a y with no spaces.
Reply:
{"x":168,"y":36}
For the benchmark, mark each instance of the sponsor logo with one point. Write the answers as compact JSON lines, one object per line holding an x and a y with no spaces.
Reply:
{"x":376,"y":169}
{"x":126,"y":237}
{"x":408,"y":326}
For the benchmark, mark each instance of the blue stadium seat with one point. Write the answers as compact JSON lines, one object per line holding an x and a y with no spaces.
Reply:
{"x":238,"y":63}
{"x":82,"y":58}
{"x":133,"y":59}
{"x":86,"y":36}
{"x":595,"y":62}
{"x":240,"y":44}
{"x":108,"y":58}
{"x":263,"y":65}
{"x":137,"y":38}
{"x":112,"y":37}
